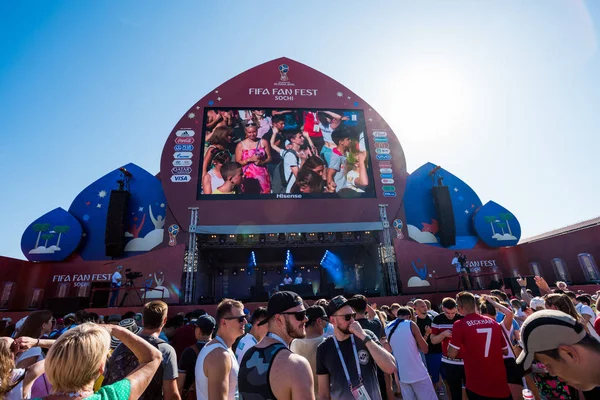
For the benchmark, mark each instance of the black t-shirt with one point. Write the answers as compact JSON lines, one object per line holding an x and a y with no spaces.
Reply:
{"x":373,"y":325}
{"x":187,"y":363}
{"x":328,"y":363}
{"x":422,"y":323}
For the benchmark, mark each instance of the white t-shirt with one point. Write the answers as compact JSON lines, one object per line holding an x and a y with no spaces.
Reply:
{"x":17,"y":392}
{"x":32,"y":352}
{"x":456,"y":264}
{"x":115,"y":277}
{"x":245,"y":344}
{"x":585,"y":310}
{"x":298,"y":280}
{"x":326,"y":131}
{"x":287,"y":281}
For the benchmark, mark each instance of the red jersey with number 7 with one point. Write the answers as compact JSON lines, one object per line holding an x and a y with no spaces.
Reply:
{"x":481,"y":342}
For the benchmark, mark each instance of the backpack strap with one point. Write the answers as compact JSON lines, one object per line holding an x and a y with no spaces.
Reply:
{"x":285,"y":181}
{"x":394,"y":329}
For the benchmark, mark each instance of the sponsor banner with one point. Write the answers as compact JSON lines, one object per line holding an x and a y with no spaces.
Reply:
{"x":379,"y":134}
{"x":184,"y":140}
{"x":387,"y":176}
{"x":185,"y":133}
{"x":379,"y":145}
{"x":183,"y":147}
{"x":384,"y":157}
{"x":184,"y":154}
{"x":182,"y":163}
{"x":387,"y":181}
{"x":381,"y":140}
{"x":385,"y":165}
{"x":389,"y":188}
{"x":181,"y":170}
{"x":382,"y":151}
{"x":384,"y":171}
{"x":181,"y":178}
{"x":389,"y":194}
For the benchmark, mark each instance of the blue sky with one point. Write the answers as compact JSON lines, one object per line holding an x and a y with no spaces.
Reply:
{"x":504,"y":94}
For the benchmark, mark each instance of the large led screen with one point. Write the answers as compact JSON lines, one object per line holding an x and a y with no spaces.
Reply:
{"x":284,"y":154}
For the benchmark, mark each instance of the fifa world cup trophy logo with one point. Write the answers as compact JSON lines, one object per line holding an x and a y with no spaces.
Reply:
{"x":173,"y":231}
{"x":283,"y":70}
{"x":398,"y":227}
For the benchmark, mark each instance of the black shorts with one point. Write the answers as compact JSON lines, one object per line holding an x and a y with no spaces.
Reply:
{"x":512,"y":372}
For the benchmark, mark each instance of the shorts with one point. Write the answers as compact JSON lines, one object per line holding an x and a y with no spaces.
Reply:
{"x":434,"y":364}
{"x":512,"y":372}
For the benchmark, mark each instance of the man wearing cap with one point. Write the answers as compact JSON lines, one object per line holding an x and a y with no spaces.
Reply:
{"x":347,"y":361}
{"x":558,"y":341}
{"x":482,"y":344}
{"x":216,"y":366}
{"x":270,"y":370}
{"x":128,"y":324}
{"x":203,"y":329}
{"x":307,"y":347}
{"x":256,"y":334}
{"x":115,"y":284}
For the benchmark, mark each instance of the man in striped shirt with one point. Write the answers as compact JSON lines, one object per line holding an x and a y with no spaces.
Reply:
{"x":453,"y":369}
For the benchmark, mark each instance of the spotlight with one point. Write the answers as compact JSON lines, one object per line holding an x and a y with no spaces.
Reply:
{"x":321,"y":237}
{"x":222,"y":239}
{"x":262,"y":238}
{"x":357,"y":235}
{"x":234,"y":272}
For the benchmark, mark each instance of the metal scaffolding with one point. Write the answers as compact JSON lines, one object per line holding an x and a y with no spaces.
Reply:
{"x":387,"y":253}
{"x":190,"y":260}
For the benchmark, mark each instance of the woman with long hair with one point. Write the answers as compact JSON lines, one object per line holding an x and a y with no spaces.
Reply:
{"x":213,"y":179}
{"x":254,"y":154}
{"x":16,"y":383}
{"x":219,"y":141}
{"x":307,"y":181}
{"x":37,"y":324}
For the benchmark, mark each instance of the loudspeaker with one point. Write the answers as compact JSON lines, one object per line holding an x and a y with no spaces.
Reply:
{"x":100,"y":299}
{"x":64,"y":305}
{"x":445,"y":213}
{"x":114,"y":238}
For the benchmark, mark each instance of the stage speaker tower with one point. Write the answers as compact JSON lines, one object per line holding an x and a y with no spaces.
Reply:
{"x":114,"y":238}
{"x":445,"y":213}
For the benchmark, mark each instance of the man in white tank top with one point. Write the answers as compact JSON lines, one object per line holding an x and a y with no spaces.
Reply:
{"x":216,"y":366}
{"x":405,"y":340}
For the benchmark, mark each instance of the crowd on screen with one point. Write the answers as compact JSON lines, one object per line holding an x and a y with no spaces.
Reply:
{"x":489,"y":346}
{"x":284,"y":151}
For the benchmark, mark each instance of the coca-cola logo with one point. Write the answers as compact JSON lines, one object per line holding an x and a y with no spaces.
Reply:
{"x":184,"y":140}
{"x":181,"y":170}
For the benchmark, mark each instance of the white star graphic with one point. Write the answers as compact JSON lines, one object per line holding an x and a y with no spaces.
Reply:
{"x":162,"y":205}
{"x":456,"y":189}
{"x":348,"y":97}
{"x":370,"y":119}
{"x":216,"y":91}
{"x":218,"y":99}
{"x":466,"y":211}
{"x":197,"y":107}
{"x":102,"y":193}
{"x":191,"y":115}
{"x":340,"y":94}
{"x":99,"y":205}
{"x":141,"y":209}
{"x":431,"y":276}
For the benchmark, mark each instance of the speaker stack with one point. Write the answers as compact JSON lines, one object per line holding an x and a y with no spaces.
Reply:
{"x":114,"y":238}
{"x":445,"y":213}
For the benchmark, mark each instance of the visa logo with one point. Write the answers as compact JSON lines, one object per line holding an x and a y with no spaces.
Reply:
{"x":389,"y":194}
{"x":185,"y":154}
{"x":382,"y":151}
{"x":181,"y":178}
{"x":381,"y":139}
{"x":384,"y":157}
{"x":183,"y":147}
{"x":387,"y":176}
{"x":379,"y":134}
{"x":185,"y":133}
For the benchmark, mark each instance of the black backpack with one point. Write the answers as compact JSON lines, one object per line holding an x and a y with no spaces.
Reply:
{"x":123,"y":362}
{"x":279,"y":183}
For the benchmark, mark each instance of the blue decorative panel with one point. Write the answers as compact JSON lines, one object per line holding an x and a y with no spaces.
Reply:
{"x":497,"y":226}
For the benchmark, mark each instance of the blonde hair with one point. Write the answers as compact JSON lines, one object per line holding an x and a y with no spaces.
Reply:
{"x":75,"y":359}
{"x":7,"y":364}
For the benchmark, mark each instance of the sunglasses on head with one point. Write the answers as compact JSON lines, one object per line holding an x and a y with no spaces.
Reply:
{"x":300,"y":315}
{"x":347,"y":317}
{"x":240,"y":318}
{"x":250,"y":124}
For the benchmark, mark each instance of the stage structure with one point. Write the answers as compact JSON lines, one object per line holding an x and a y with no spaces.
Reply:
{"x":319,"y":184}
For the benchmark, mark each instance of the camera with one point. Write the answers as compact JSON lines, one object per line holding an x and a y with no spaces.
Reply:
{"x":131,"y":275}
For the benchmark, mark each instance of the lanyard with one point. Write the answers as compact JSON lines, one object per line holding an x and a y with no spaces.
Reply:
{"x":337,"y":346}
{"x":278,"y":338}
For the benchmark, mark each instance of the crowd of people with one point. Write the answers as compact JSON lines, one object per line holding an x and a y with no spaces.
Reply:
{"x":489,"y":346}
{"x":284,"y":151}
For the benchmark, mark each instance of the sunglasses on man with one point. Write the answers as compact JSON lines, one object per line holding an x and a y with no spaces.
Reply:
{"x":347,"y":317}
{"x":300,"y":315}
{"x":240,"y":318}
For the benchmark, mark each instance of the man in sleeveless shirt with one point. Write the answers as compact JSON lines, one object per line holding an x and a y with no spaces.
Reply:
{"x":269,"y":370}
{"x":216,"y":366}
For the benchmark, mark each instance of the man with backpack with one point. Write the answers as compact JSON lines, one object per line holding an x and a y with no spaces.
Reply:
{"x":286,"y":171}
{"x":186,"y":382}
{"x":123,"y":361}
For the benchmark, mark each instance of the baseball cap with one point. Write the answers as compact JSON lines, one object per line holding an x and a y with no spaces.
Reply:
{"x":340,"y":301}
{"x":280,"y":302}
{"x":315,"y":312}
{"x":546,"y":330}
{"x":206,"y":323}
